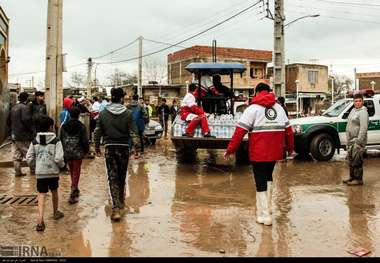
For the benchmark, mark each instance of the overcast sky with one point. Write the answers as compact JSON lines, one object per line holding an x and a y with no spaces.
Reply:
{"x":345,"y":35}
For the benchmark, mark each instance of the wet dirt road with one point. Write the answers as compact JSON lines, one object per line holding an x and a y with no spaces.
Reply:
{"x":203,"y":210}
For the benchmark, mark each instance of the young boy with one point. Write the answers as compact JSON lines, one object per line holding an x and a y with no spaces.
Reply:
{"x":45,"y":154}
{"x":75,"y":145}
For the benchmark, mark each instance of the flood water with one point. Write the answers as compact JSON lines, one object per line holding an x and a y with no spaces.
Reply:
{"x":202,"y":209}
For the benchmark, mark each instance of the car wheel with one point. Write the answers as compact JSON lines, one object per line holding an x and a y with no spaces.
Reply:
{"x":322,"y":147}
{"x":153,"y":141}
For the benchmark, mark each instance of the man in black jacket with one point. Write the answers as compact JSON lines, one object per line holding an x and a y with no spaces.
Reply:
{"x":22,"y":131}
{"x":38,"y":108}
{"x":114,"y":125}
{"x":163,"y":112}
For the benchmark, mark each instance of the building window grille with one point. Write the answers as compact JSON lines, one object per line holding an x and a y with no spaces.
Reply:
{"x":313,"y":77}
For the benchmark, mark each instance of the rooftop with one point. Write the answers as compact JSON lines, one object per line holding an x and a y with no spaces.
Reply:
{"x":222,"y":52}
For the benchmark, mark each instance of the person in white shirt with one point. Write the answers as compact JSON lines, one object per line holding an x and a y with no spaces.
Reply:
{"x":193,"y":114}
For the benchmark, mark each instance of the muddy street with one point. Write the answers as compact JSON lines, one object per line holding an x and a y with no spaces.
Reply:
{"x":203,"y":209}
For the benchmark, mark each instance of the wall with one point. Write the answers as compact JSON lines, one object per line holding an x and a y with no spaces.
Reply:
{"x":4,"y":91}
{"x":301,"y":72}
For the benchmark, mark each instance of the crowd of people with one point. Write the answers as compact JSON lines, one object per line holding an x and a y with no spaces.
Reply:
{"x":120,"y":128}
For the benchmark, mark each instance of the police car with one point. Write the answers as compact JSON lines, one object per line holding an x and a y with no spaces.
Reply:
{"x":323,"y":136}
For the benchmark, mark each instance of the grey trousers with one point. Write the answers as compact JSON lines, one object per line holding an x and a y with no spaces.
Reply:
{"x":355,"y":160}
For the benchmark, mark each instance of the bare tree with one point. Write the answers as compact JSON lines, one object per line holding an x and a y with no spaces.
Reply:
{"x":154,"y":70}
{"x":122,"y":78}
{"x":341,"y":80}
{"x":76,"y":80}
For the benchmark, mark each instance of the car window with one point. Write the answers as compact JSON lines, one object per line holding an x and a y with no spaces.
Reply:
{"x":336,"y":109}
{"x":369,"y":104}
{"x":370,"y":107}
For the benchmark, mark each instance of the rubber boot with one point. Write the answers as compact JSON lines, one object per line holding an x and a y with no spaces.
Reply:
{"x":270,"y":193}
{"x":265,"y":217}
{"x":259,"y":210}
{"x":18,"y":171}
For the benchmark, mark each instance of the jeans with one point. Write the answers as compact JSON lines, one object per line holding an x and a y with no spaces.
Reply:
{"x":117,"y":158}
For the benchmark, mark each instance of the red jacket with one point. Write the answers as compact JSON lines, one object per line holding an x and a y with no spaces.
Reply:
{"x":270,"y":133}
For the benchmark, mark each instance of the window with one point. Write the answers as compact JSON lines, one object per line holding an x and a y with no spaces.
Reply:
{"x":313,"y":77}
{"x":256,"y":73}
{"x":370,"y":107}
{"x":2,"y":39}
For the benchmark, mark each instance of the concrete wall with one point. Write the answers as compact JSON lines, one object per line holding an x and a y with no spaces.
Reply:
{"x":4,"y":91}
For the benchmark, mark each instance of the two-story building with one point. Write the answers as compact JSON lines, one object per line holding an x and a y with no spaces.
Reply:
{"x":312,"y":81}
{"x":4,"y":92}
{"x":255,"y":61}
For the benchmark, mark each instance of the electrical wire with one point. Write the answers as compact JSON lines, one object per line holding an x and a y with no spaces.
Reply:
{"x":350,"y":3}
{"x":191,"y":37}
{"x":118,"y":49}
{"x":42,"y":71}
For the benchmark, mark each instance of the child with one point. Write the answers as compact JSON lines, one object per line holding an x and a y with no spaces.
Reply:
{"x":194,"y":115}
{"x":45,"y":154}
{"x":75,"y":145}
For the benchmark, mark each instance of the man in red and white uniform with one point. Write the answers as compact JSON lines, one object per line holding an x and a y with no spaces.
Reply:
{"x":270,"y":134}
{"x":193,"y":114}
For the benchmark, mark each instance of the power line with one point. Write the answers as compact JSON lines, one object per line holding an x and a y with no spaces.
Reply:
{"x":162,"y":43}
{"x":336,"y":11}
{"x":350,"y":3}
{"x":200,"y":23}
{"x":118,"y":49}
{"x":339,"y":18}
{"x":42,"y":71}
{"x":191,"y":37}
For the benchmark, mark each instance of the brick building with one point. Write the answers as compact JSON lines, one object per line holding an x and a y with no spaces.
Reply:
{"x":254,"y":60}
{"x":4,"y":92}
{"x":365,"y":80}
{"x":312,"y":87}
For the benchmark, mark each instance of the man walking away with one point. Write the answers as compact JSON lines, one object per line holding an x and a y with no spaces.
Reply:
{"x":357,"y":132}
{"x":45,"y":154}
{"x":75,"y":144}
{"x":139,"y":116}
{"x":281,"y":101}
{"x":163,"y":114}
{"x":38,"y":108}
{"x":174,"y":109}
{"x":22,"y":131}
{"x":114,"y":125}
{"x":269,"y":130}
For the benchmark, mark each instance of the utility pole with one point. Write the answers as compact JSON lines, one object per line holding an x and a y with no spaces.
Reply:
{"x":214,"y":44}
{"x":332,"y":85}
{"x":89,"y":78}
{"x":279,"y":49}
{"x":54,"y":60}
{"x":139,"y":88}
{"x":355,"y":80}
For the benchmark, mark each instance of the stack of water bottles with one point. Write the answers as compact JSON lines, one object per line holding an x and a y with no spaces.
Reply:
{"x":221,"y":126}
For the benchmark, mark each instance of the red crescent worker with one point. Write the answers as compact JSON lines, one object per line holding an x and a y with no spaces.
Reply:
{"x":193,"y":114}
{"x":270,"y":134}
